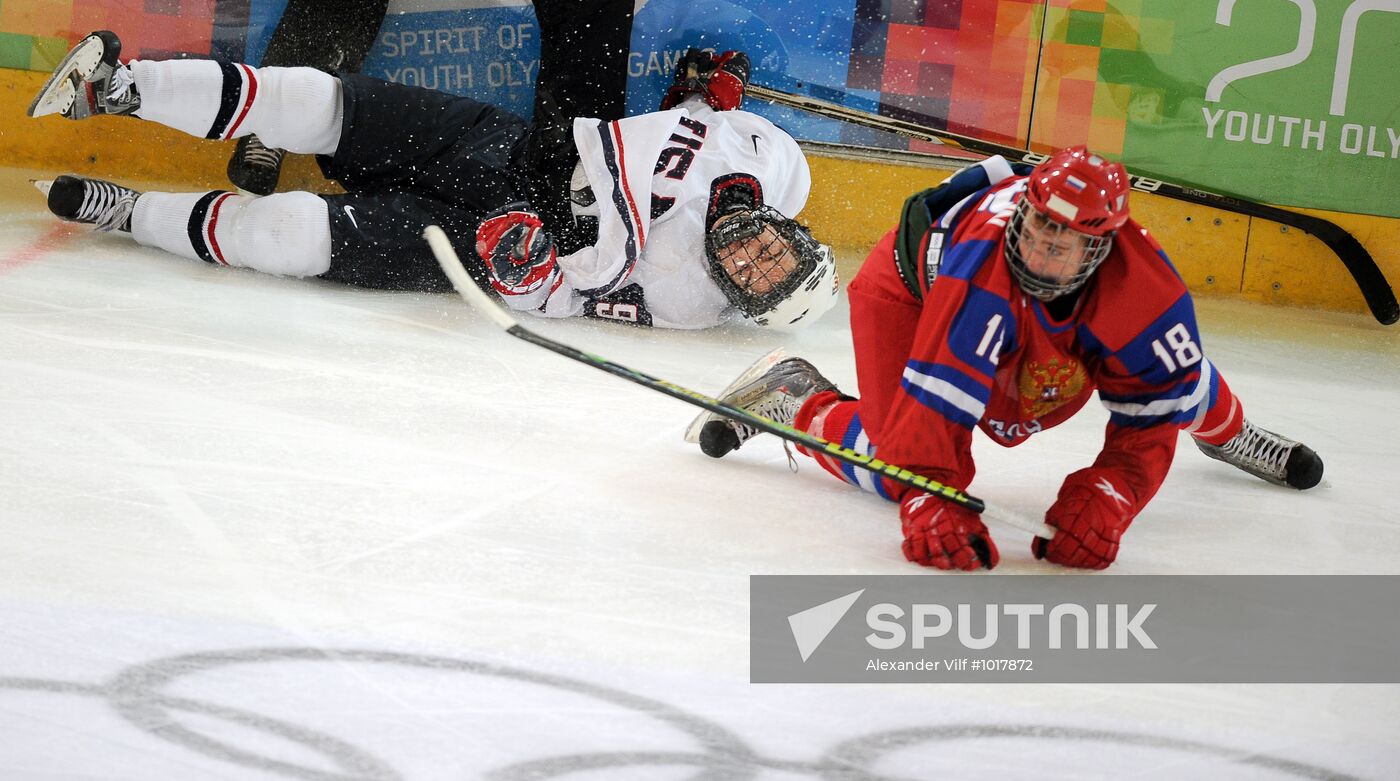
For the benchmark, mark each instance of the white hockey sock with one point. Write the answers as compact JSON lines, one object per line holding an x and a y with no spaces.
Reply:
{"x":286,"y":233}
{"x":296,"y":109}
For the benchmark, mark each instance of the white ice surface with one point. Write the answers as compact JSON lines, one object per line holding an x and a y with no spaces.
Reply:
{"x":261,"y":528}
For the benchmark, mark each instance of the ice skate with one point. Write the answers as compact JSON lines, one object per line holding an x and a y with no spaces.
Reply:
{"x":102,"y":204}
{"x":89,"y":81}
{"x":775,"y":387}
{"x":255,"y":167}
{"x":1268,"y":456}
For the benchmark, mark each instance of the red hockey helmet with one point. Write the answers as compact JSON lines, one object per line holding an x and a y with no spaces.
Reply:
{"x":1063,"y":226}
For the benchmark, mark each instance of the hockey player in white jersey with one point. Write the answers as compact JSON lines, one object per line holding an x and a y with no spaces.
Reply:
{"x":690,"y":203}
{"x":688,"y":226}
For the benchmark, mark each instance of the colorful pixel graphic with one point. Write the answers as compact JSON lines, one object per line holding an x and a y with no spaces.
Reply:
{"x":35,"y":34}
{"x":1052,"y":73}
{"x":964,"y":65}
{"x":1096,"y":72}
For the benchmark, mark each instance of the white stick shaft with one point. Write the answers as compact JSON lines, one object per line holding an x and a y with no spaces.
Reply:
{"x":452,"y":267}
{"x":1028,"y":525}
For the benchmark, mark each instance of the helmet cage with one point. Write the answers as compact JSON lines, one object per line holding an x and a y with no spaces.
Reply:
{"x":730,"y":237}
{"x":1076,"y":266}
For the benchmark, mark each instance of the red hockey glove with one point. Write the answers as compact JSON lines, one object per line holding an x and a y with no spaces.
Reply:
{"x":725,"y":89}
{"x":692,"y":69}
{"x":938,"y":533}
{"x":720,"y":80}
{"x":516,"y":249}
{"x":1090,"y":515}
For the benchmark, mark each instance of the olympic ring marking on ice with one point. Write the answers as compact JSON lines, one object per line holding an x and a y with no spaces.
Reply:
{"x":134,"y":694}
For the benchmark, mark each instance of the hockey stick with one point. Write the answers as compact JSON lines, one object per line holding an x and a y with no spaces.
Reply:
{"x":479,"y":300}
{"x":1374,"y":287}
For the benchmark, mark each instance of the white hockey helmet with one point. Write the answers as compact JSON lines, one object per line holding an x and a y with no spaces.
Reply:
{"x":815,"y":294}
{"x":771,"y":268}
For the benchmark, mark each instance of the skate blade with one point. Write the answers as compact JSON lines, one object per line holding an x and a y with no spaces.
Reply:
{"x":59,"y":92}
{"x":692,"y":432}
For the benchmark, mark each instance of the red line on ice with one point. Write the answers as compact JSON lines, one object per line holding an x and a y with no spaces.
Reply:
{"x":55,"y":237}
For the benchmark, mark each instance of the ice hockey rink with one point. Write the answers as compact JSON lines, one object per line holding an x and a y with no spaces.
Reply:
{"x":262,"y":528}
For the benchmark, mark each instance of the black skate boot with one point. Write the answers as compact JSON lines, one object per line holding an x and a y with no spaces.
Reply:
{"x":92,"y":201}
{"x":89,"y":81}
{"x":774,"y":387}
{"x":255,"y":166}
{"x":1269,"y":456}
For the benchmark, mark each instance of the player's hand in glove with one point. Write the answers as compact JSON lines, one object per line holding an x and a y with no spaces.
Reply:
{"x":725,"y":89}
{"x":721,"y":79}
{"x":1090,"y":515}
{"x":938,"y":533}
{"x":693,"y":70}
{"x":517,"y":250}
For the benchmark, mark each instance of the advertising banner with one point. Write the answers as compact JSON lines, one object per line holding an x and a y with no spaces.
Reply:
{"x":1282,"y":101}
{"x":488,"y":50}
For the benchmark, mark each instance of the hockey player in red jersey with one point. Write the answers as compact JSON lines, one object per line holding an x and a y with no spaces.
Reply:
{"x":1001,"y":301}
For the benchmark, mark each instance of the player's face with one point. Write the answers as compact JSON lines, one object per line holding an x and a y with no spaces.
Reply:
{"x":1051,"y":251}
{"x":759,"y":263}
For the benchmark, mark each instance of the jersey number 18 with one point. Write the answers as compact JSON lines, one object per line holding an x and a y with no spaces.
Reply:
{"x":1180,"y":351}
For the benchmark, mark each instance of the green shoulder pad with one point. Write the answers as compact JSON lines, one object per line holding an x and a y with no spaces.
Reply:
{"x":914,"y":225}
